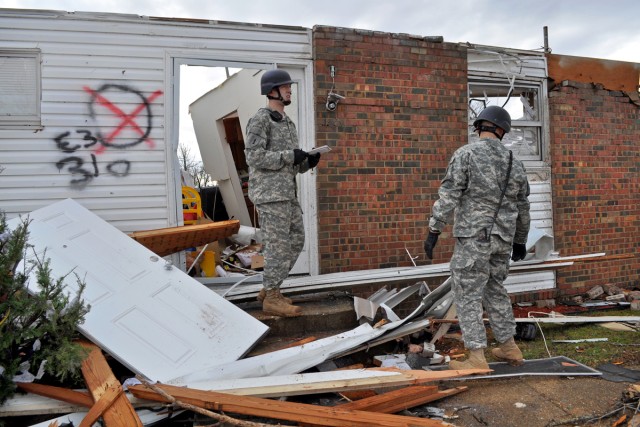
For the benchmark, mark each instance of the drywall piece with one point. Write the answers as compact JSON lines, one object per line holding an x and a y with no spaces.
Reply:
{"x":32,"y":404}
{"x":149,"y":315}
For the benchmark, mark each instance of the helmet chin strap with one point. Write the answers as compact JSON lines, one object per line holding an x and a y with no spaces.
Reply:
{"x":492,"y":129}
{"x":279,"y":98}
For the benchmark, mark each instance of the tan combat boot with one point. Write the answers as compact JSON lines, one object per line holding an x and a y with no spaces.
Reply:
{"x":508,"y":351}
{"x":262,"y":293}
{"x":276,"y":305}
{"x":475,"y":360}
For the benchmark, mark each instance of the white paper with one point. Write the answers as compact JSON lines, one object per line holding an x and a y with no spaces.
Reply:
{"x":323,"y":149}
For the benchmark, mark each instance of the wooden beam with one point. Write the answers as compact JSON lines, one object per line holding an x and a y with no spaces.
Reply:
{"x":290,"y":411}
{"x":99,"y":378}
{"x":401,"y":399}
{"x":326,"y":382}
{"x":165,"y":241}
{"x":59,"y":393}
{"x":105,"y":402}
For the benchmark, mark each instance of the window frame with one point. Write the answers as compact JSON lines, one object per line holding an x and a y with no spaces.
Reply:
{"x":539,"y":125}
{"x":25,"y":121}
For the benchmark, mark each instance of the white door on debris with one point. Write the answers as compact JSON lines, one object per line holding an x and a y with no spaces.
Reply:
{"x":147,"y":314}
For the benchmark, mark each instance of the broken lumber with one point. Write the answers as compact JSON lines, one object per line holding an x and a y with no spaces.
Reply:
{"x":60,"y":393}
{"x":326,"y":382}
{"x":115,"y":409}
{"x":290,"y":411}
{"x":166,"y":241}
{"x":401,"y":399}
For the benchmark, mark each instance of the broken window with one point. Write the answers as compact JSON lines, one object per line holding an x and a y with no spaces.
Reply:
{"x":523,"y":102}
{"x":19,"y":88}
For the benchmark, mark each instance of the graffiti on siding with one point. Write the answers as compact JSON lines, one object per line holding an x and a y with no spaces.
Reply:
{"x":123,"y":119}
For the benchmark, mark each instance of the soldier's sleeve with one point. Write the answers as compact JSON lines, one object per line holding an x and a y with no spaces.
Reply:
{"x":523,"y":222}
{"x":256,"y":148}
{"x":451,"y":188}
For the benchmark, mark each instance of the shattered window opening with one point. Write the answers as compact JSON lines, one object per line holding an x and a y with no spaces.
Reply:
{"x":523,"y":102}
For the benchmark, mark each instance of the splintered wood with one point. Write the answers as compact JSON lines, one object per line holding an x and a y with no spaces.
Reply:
{"x":166,"y":241}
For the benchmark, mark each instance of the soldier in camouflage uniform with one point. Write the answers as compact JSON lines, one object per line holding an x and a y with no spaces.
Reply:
{"x":274,"y":160}
{"x":490,"y":227}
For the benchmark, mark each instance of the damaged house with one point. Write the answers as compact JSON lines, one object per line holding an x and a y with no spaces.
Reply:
{"x":91,"y":105}
{"x":89,"y":111}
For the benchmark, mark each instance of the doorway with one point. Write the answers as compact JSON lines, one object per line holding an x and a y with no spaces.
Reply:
{"x":215,"y":99}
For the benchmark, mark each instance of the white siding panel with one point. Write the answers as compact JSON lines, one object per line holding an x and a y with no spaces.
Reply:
{"x":498,"y":60}
{"x":81,"y":52}
{"x":530,"y":282}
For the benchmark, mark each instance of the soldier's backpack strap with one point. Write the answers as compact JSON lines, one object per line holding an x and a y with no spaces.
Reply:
{"x":504,"y":190}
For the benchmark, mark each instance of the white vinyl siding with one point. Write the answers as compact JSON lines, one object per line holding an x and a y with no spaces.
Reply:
{"x":109,"y":77}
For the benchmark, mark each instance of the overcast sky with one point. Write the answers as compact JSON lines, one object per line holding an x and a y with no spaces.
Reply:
{"x":592,"y":28}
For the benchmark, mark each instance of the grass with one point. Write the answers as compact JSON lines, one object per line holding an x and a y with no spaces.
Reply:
{"x":621,"y":347}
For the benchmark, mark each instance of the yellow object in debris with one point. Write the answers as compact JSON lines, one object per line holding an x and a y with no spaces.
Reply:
{"x":208,"y":264}
{"x":191,"y":206}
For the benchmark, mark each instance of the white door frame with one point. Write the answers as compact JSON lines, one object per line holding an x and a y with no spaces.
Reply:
{"x":302,"y":72}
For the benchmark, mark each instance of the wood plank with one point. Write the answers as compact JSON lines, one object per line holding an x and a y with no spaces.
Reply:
{"x":166,"y":241}
{"x":327,"y":382}
{"x":105,"y":402}
{"x":401,"y":399}
{"x":290,"y":411}
{"x":99,"y":378}
{"x":60,"y":393}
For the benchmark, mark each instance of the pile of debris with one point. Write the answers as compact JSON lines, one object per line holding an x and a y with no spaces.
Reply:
{"x":606,"y":296}
{"x":187,"y":346}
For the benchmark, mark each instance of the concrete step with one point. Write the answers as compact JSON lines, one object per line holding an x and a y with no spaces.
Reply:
{"x":323,"y":314}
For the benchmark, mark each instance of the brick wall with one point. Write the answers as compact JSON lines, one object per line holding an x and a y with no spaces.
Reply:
{"x":404,"y":114}
{"x":595,"y":152}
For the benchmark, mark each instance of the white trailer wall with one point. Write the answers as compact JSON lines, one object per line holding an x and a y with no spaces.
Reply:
{"x":107,"y":133}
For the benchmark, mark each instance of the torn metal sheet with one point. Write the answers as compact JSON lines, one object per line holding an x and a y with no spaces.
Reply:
{"x":579,"y":319}
{"x":291,"y":360}
{"x":149,"y":315}
{"x":385,"y":299}
{"x":287,"y":361}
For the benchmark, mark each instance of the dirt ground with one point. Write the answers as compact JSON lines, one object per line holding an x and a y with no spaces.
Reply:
{"x":534,"y":401}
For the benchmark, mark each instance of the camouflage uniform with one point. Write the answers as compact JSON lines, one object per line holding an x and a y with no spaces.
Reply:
{"x":272,"y":189}
{"x":471,"y":188}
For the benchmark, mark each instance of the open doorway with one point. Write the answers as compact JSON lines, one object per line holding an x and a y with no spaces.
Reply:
{"x":216,"y":100}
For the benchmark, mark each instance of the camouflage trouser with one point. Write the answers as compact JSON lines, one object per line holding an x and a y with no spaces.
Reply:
{"x":478,"y":269}
{"x":283,"y":239}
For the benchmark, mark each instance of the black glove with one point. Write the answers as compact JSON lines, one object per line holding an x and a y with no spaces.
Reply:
{"x":299,"y":156}
{"x":313,"y":160}
{"x":430,"y":243}
{"x":519,"y":251}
